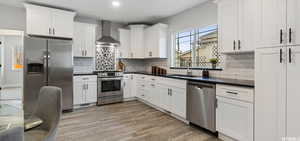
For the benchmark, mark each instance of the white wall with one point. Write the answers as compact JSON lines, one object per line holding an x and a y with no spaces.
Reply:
{"x":10,"y":77}
{"x":12,"y":18}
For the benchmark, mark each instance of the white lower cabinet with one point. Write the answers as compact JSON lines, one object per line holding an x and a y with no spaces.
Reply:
{"x":234,"y":113}
{"x":85,"y":90}
{"x":167,"y":94}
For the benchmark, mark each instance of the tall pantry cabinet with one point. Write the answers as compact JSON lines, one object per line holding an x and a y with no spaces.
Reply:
{"x":277,"y":70}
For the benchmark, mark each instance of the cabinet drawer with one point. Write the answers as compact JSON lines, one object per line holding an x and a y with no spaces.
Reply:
{"x":234,"y":92}
{"x":176,"y":83}
{"x":90,"y":78}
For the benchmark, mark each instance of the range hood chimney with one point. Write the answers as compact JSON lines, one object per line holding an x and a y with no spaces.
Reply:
{"x":107,"y":39}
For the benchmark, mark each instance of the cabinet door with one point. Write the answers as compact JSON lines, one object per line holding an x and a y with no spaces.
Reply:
{"x":247,"y":25}
{"x":78,"y":93}
{"x":228,"y":24}
{"x":124,"y":49}
{"x":91,"y":92}
{"x":293,"y":22}
{"x":178,"y":102}
{"x":137,"y":42}
{"x":38,"y":20}
{"x":270,"y":94}
{"x":133,"y":85}
{"x":62,"y":23}
{"x":150,"y":43}
{"x":293,"y":96}
{"x":78,"y":41}
{"x":127,"y":86}
{"x":90,"y":39}
{"x":272,"y":20}
{"x":235,"y":119}
{"x":165,"y":98}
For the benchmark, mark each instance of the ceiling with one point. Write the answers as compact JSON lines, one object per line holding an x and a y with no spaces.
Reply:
{"x":128,"y":12}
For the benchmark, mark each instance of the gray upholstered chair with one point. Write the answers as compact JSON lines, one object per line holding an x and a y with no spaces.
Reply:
{"x":14,"y":134}
{"x":49,"y":110}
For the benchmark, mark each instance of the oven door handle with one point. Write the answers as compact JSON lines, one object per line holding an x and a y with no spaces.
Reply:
{"x":110,"y":79}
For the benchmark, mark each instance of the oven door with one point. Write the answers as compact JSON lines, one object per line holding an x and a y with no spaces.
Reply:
{"x":109,"y":87}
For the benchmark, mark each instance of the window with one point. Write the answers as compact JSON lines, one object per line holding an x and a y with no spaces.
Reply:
{"x":196,"y":48}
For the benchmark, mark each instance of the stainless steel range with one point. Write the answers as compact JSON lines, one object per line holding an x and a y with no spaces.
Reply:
{"x":110,"y":88}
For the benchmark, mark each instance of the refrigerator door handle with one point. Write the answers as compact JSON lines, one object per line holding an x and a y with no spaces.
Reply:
{"x":45,"y":63}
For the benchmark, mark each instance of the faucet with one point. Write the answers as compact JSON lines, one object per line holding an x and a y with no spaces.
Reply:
{"x":189,"y":71}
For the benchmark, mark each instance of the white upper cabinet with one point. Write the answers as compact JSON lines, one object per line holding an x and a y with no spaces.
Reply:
{"x":137,"y":41}
{"x":141,"y":42}
{"x":293,"y":22}
{"x":237,"y":25}
{"x":124,"y":48}
{"x":272,"y":19}
{"x":227,"y":22}
{"x":84,"y":40}
{"x":44,"y":21}
{"x":156,"y":41}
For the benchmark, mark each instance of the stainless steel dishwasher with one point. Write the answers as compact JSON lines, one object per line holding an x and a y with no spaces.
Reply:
{"x":201,"y":105}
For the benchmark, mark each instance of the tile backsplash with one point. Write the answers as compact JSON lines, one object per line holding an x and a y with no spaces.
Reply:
{"x":235,"y":66}
{"x":83,"y":65}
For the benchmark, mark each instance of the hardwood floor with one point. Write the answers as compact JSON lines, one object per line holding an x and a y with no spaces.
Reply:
{"x":129,"y":121}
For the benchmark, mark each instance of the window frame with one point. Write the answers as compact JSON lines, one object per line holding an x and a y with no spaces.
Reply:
{"x":196,"y":34}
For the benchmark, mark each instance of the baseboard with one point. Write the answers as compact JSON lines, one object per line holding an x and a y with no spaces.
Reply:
{"x":164,"y":111}
{"x":226,"y":138}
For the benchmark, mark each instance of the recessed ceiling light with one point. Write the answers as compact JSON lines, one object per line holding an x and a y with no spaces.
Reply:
{"x":116,"y":3}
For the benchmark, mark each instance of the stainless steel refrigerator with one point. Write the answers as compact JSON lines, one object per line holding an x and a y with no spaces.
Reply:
{"x":47,"y":62}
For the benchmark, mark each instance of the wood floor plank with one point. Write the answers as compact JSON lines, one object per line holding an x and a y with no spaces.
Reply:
{"x":128,"y":121}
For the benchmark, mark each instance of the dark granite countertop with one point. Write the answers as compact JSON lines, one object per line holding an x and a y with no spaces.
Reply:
{"x":226,"y":81}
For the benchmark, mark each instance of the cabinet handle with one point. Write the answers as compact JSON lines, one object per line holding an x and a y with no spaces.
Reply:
{"x":290,"y":35}
{"x":171,"y":92}
{"x":152,"y":85}
{"x":229,"y":92}
{"x":50,"y":31}
{"x":87,"y":86}
{"x":85,"y":53}
{"x":281,"y":40}
{"x":290,"y":55}
{"x":239,"y":44}
{"x":280,"y":55}
{"x":168,"y":91}
{"x":53,"y":31}
{"x":233,"y":44}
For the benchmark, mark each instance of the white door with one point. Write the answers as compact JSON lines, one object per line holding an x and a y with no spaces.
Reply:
{"x":38,"y":20}
{"x":235,"y":118}
{"x":124,"y":49}
{"x":150,"y":42}
{"x":178,"y":102}
{"x":137,"y":41}
{"x":62,"y":23}
{"x":272,"y":21}
{"x":127,"y":86}
{"x":293,"y":96}
{"x":133,"y":85}
{"x":293,"y":22}
{"x":270,"y":94}
{"x":228,"y":24}
{"x":247,"y":25}
{"x":90,"y":40}
{"x":78,"y":40}
{"x":78,"y":93}
{"x":165,"y":98}
{"x":91,"y":92}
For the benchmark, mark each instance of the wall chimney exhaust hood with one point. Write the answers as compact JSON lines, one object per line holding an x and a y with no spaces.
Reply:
{"x":107,"y":39}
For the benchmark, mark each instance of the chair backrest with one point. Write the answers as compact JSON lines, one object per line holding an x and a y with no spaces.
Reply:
{"x":50,"y":108}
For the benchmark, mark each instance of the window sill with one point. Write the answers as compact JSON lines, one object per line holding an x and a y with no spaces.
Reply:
{"x":181,"y":68}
